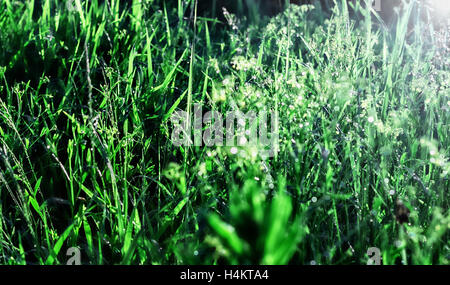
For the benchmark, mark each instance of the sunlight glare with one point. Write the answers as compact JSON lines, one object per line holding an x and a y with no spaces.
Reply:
{"x":441,"y":6}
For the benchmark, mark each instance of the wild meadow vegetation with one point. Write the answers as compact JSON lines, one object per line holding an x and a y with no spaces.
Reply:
{"x":88,"y":89}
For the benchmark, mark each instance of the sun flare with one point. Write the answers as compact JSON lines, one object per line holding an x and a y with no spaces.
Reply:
{"x":441,"y":7}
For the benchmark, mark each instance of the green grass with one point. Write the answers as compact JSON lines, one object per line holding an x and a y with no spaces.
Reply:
{"x":86,"y":160}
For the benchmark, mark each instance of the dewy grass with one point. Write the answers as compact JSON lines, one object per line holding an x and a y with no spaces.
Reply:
{"x":88,"y":90}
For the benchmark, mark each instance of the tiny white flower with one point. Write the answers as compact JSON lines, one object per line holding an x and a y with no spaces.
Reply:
{"x":234,"y":150}
{"x":371,"y":119}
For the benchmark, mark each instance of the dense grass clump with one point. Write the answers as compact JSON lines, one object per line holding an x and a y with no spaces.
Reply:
{"x":88,"y":91}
